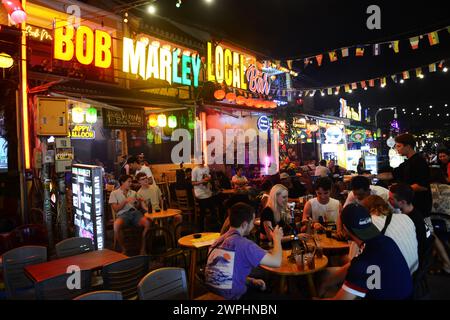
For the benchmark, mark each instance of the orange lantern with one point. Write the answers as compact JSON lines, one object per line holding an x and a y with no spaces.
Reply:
{"x":240,"y":100}
{"x":219,"y":94}
{"x":230,"y":96}
{"x":153,"y":120}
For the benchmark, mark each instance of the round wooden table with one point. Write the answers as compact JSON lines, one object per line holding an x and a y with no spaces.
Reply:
{"x":288,"y":268}
{"x":331,"y":243}
{"x":193,"y":244}
{"x":163,"y":214}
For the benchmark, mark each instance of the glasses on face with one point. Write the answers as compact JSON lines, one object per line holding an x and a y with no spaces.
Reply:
{"x":143,"y":179}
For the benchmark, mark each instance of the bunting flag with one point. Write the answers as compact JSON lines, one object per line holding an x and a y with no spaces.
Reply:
{"x":414,"y":42}
{"x":306,"y":61}
{"x":394,"y":78}
{"x":441,"y":64}
{"x":359,"y":51}
{"x":376,"y":49}
{"x":363,"y":84}
{"x":395,"y":46}
{"x":313,"y":93}
{"x":319,"y":58}
{"x":418,"y":72}
{"x":330,"y":91}
{"x":333,"y":56}
{"x":289,"y":63}
{"x":383,"y":82}
{"x":432,"y":67}
{"x":433,"y":38}
{"x":345,"y":52}
{"x":405,"y":75}
{"x":306,"y":93}
{"x":354,"y":86}
{"x":371,"y":83}
{"x":347,"y":88}
{"x":337,"y":89}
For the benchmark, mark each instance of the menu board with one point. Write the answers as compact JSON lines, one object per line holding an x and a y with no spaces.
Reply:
{"x":127,"y":118}
{"x":87,"y":190}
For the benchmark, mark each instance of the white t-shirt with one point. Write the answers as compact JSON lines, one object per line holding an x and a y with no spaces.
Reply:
{"x":117,"y":197}
{"x":239,"y":180}
{"x":322,"y":171}
{"x":374,"y":190}
{"x":329,"y":211}
{"x":201,"y":191}
{"x":145,"y":170}
{"x":401,"y":229}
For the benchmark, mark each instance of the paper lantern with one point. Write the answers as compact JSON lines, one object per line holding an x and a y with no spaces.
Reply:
{"x":172,"y":121}
{"x":6,"y":61}
{"x":77,"y":115}
{"x":15,"y":11}
{"x":153,"y":120}
{"x":162,"y":120}
{"x":91,"y":115}
{"x":230,"y":96}
{"x":219,"y":94}
{"x":240,"y":100}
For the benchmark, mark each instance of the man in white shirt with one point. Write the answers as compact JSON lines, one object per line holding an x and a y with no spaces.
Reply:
{"x":322,"y":170}
{"x":238,"y":180}
{"x":125,"y":202}
{"x":361,"y":188}
{"x":201,"y":181}
{"x":139,"y":167}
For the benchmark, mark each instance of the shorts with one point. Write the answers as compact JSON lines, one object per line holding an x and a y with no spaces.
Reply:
{"x":131,"y":217}
{"x":429,"y":223}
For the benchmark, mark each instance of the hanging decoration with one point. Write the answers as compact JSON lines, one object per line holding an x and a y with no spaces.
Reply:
{"x":172,"y":121}
{"x":77,"y":115}
{"x":91,"y":115}
{"x":15,"y":11}
{"x":162,"y":120}
{"x":153,"y":120}
{"x":6,"y":61}
{"x":219,"y":94}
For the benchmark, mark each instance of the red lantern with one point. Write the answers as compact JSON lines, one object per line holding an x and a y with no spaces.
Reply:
{"x":230,"y":96}
{"x":15,"y":11}
{"x":219,"y":94}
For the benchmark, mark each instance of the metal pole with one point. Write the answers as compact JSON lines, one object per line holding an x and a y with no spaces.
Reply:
{"x":21,"y":164}
{"x":46,"y":179}
{"x":61,"y":208}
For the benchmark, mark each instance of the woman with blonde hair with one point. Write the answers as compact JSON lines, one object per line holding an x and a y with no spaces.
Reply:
{"x":398,"y":227}
{"x":275,"y":213}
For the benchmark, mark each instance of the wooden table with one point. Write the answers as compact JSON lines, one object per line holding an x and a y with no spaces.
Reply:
{"x":93,"y":260}
{"x":288,"y":268}
{"x":163,"y":214}
{"x":331,"y":243}
{"x":194,"y":244}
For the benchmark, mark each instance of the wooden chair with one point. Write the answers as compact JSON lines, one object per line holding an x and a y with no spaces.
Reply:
{"x":57,"y":288}
{"x":164,"y":284}
{"x":125,"y":275}
{"x":101,"y":295}
{"x":183,"y":204}
{"x":30,"y":235}
{"x":73,"y":246}
{"x":17,"y":284}
{"x":132,"y":237}
{"x":161,"y":246}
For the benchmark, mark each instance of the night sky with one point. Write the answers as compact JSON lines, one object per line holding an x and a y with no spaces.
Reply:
{"x":296,"y":29}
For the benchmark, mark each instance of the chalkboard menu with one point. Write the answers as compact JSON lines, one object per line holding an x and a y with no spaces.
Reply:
{"x":127,"y":118}
{"x":87,"y":190}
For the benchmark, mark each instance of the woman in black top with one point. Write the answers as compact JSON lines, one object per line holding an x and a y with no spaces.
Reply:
{"x":361,"y":168}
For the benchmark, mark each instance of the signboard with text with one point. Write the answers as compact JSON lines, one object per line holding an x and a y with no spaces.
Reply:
{"x":127,"y":118}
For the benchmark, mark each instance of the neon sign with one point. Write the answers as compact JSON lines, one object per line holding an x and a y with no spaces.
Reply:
{"x":159,"y":62}
{"x":349,"y":112}
{"x":39,"y":34}
{"x":86,"y":45}
{"x":258,"y":82}
{"x":82,"y":132}
{"x":228,"y":66}
{"x":263,"y":124}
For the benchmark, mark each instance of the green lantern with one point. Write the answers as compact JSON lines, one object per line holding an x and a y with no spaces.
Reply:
{"x":91,"y":115}
{"x":172,"y":121}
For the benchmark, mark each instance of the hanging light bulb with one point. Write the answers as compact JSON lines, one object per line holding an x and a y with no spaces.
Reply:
{"x":172,"y":121}
{"x":77,"y":115}
{"x":151,"y":9}
{"x":162,"y":120}
{"x":91,"y":115}
{"x":15,"y":11}
{"x":445,"y":69}
{"x":178,"y":4}
{"x":153,"y":120}
{"x":6,"y":61}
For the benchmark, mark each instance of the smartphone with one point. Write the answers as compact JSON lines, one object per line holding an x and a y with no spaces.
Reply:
{"x":270,"y":228}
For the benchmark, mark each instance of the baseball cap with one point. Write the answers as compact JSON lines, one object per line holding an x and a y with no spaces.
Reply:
{"x":284,"y":175}
{"x":356,"y":218}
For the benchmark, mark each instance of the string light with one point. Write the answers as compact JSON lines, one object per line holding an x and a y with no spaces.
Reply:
{"x":151,"y":9}
{"x":431,"y":107}
{"x":178,"y":4}
{"x":445,"y":69}
{"x":402,"y":81}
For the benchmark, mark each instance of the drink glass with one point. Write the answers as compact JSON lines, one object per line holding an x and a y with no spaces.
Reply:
{"x":309,"y":260}
{"x":299,"y":261}
{"x":328,"y":232}
{"x":319,"y":252}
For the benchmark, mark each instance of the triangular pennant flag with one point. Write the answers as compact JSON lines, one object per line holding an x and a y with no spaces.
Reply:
{"x":432,"y":67}
{"x":405,"y":75}
{"x":395,"y":46}
{"x":306,"y":93}
{"x":394,"y":78}
{"x":359,"y":51}
{"x":363,"y":84}
{"x":433,"y":38}
{"x":347,"y":88}
{"x":376,"y":49}
{"x":319,"y":58}
{"x":306,"y":61}
{"x":414,"y":42}
{"x":330,"y":91}
{"x":371,"y":83}
{"x":345,"y":52}
{"x":383,"y":82}
{"x":354,"y":86}
{"x":337,"y":89}
{"x":312,"y":93}
{"x":333,"y":56}
{"x":289,"y":63}
{"x":419,"y":72}
{"x":441,"y":64}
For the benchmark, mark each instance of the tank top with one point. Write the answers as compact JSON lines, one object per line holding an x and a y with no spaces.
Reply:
{"x":328,"y":211}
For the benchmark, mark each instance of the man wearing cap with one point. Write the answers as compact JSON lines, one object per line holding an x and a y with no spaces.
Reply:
{"x":294,"y":186}
{"x":379,"y":272}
